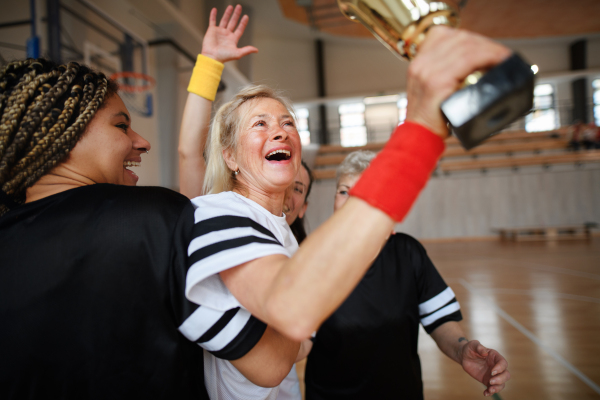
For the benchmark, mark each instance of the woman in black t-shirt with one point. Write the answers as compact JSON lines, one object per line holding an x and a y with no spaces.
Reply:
{"x":93,"y":295}
{"x":93,"y":271}
{"x":368,"y":347}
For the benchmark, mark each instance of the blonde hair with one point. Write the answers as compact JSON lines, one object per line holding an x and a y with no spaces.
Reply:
{"x":224,"y":133}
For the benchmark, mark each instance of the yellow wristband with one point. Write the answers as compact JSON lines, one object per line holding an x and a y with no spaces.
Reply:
{"x":206,"y":77}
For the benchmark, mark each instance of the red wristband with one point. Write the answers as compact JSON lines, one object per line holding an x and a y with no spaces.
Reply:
{"x":400,"y":171}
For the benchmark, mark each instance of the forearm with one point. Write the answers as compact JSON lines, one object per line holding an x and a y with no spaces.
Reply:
{"x":296,"y":295}
{"x":450,"y":338}
{"x":269,"y":362}
{"x":312,"y":284}
{"x":196,"y":122}
{"x":305,"y":348}
{"x":192,"y":142}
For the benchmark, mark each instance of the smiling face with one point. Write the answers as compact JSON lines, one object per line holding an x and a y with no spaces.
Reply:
{"x":268,"y":149}
{"x":345,"y":183}
{"x":295,"y":203}
{"x":108,"y":147}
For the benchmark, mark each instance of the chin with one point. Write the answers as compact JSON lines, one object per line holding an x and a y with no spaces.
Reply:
{"x":130,"y":178}
{"x":129,"y":181}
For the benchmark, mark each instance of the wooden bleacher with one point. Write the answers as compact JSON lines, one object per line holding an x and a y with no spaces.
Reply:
{"x":507,"y":150}
{"x":548,"y":233}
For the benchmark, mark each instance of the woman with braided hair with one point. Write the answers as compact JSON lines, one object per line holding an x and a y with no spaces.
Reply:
{"x":43,"y":98}
{"x":96,"y":275}
{"x":93,"y":269}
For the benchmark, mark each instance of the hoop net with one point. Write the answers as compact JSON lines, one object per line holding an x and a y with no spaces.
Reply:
{"x":135,"y":89}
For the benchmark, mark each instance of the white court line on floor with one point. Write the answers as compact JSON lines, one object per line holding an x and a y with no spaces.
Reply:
{"x":558,"y":270}
{"x":532,"y":337}
{"x":544,"y":293}
{"x":546,"y":268}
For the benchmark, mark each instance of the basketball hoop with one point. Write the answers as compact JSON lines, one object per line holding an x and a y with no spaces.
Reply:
{"x":135,"y":90}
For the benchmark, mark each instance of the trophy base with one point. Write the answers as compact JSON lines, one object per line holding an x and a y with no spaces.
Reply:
{"x":501,"y":96}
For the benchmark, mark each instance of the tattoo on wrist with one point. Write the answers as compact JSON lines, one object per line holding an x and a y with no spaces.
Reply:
{"x":460,"y":339}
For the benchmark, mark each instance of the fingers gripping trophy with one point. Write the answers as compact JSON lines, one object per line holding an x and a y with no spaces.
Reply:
{"x":487,"y":102}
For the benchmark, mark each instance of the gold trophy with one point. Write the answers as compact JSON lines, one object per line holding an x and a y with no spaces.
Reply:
{"x":487,"y":102}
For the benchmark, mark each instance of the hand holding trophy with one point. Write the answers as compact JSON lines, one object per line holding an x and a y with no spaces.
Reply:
{"x":487,"y":102}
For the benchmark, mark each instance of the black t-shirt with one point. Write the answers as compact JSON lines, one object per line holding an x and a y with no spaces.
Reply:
{"x":367,"y":349}
{"x":92,"y":294}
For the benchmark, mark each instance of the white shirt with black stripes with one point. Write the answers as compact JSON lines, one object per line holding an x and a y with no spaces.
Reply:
{"x":229,"y":230}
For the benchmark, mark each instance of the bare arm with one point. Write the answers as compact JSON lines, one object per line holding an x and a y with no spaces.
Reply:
{"x":270,"y":360}
{"x":450,"y":338}
{"x":192,"y":141}
{"x":220,"y":44}
{"x":296,"y":295}
{"x":485,"y":365}
{"x":305,"y":348}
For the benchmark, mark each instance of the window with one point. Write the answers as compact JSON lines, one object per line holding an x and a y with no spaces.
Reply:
{"x":352,"y":125}
{"x":402,"y":103}
{"x":381,"y":115}
{"x":543,"y":116}
{"x":302,"y":121}
{"x":596,"y":96}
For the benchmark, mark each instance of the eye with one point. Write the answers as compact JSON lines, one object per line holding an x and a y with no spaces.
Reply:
{"x":289,"y":123}
{"x":124,"y":127}
{"x":260,"y":123}
{"x":343,"y":192}
{"x":299,"y":189}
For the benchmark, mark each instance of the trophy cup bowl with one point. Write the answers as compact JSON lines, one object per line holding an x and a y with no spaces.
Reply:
{"x":487,"y":102}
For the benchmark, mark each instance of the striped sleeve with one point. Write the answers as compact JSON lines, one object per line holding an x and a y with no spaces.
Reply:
{"x":223,"y":242}
{"x":223,"y":237}
{"x":440,"y":309}
{"x":226,"y":334}
{"x":437,"y":302}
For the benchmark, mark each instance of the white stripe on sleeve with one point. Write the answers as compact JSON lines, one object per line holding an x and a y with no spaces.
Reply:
{"x":436,"y":302}
{"x":449,"y":309}
{"x":199,"y":293}
{"x":227,"y":334}
{"x":225,"y":234}
{"x":199,"y":322}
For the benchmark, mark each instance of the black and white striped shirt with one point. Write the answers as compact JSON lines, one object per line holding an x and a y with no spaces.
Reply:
{"x":229,"y":230}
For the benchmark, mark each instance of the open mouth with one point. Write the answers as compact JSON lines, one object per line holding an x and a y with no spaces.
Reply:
{"x":131,"y":164}
{"x":279,"y":155}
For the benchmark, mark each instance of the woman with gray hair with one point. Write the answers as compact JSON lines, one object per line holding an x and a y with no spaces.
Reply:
{"x":368,"y":347}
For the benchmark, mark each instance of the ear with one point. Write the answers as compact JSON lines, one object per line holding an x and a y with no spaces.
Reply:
{"x":303,"y":210}
{"x":230,"y":159}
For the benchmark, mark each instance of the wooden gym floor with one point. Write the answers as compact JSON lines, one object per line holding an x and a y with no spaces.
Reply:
{"x":538,"y":304}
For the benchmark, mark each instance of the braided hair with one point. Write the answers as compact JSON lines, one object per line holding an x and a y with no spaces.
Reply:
{"x":44,"y":110}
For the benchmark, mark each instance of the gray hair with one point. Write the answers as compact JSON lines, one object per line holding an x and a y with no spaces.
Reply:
{"x":224,"y":134}
{"x":355,"y":163}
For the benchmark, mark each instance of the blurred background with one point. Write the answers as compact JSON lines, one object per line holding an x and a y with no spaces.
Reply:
{"x":493,"y":219}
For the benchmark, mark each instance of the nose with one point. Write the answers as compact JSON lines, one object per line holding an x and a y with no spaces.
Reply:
{"x":279,"y":134}
{"x":139,"y":143}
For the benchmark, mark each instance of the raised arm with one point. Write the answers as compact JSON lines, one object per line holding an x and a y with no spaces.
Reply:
{"x":218,"y":47}
{"x":296,"y":295}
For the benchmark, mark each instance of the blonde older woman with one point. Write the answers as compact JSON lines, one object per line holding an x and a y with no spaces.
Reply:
{"x":242,"y":256}
{"x":244,"y":263}
{"x":368,"y":347}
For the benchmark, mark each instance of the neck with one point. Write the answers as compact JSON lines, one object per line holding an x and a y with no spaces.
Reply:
{"x":272,"y":202}
{"x":56,"y":181}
